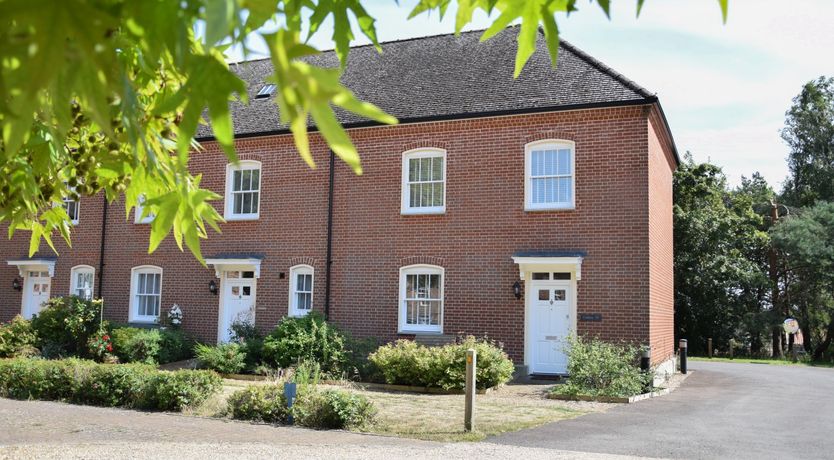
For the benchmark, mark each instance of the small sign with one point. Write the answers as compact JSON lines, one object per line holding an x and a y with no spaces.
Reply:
{"x":791,"y":326}
{"x":593,"y":317}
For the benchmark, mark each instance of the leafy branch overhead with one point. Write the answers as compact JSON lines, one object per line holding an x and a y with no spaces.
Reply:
{"x":106,"y":96}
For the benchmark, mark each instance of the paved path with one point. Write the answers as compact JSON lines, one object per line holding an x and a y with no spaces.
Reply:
{"x":723,"y":410}
{"x":37,"y":429}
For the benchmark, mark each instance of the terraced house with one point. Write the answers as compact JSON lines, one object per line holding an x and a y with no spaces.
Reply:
{"x":521,"y":209}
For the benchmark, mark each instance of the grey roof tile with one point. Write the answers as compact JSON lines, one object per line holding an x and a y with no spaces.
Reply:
{"x":444,"y":76}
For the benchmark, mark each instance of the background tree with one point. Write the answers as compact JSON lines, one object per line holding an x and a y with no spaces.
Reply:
{"x":720,"y":282}
{"x":809,"y":132}
{"x":806,"y":241}
{"x":107,"y":95}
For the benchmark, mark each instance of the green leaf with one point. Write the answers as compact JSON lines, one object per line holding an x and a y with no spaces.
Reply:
{"x":219,"y":15}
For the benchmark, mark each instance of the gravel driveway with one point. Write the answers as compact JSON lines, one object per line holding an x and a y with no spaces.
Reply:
{"x":37,"y":429}
{"x":723,"y":410}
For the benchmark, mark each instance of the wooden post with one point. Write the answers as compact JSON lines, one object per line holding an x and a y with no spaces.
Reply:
{"x":469,"y":413}
{"x":709,"y":347}
{"x":732,"y":345}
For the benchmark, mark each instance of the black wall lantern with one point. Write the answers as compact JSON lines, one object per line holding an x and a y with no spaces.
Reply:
{"x":213,"y":287}
{"x":517,"y":290}
{"x":17,"y":285}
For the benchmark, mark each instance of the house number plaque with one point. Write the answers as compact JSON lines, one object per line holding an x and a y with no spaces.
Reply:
{"x":593,"y":317}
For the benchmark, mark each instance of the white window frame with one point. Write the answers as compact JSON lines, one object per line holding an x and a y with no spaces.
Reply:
{"x":134,"y":285}
{"x":74,"y":279}
{"x":405,"y":205}
{"x":65,"y":201}
{"x":137,"y":212}
{"x":229,"y":213}
{"x":554,"y":144}
{"x":420,"y":269}
{"x":296,"y":270}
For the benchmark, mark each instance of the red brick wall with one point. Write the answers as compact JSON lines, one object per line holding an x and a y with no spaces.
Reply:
{"x":474,"y":240}
{"x":661,"y":274}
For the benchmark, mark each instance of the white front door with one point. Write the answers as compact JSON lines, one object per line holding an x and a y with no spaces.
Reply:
{"x":36,"y":286}
{"x":550,"y":325}
{"x":237,"y":303}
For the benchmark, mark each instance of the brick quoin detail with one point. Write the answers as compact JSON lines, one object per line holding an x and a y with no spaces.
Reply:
{"x":622,"y":220}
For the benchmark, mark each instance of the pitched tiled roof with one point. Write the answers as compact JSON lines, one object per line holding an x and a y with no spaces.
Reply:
{"x":446,"y":77}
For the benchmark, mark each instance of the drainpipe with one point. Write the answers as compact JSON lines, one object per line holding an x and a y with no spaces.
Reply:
{"x":329,"y":257}
{"x":101,"y":251}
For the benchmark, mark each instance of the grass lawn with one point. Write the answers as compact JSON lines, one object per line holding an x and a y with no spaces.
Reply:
{"x":776,"y":362}
{"x":440,"y":417}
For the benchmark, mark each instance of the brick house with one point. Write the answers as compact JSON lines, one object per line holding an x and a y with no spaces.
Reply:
{"x":521,"y":209}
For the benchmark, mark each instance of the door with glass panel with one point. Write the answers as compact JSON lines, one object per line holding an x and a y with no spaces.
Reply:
{"x":550,"y":325}
{"x":238,"y":302}
{"x":36,"y":289}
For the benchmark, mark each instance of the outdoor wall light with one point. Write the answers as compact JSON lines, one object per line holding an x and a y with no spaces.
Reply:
{"x":16,"y":284}
{"x":517,"y":290}
{"x":213,"y":287}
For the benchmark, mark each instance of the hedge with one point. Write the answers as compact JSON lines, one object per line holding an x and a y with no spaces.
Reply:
{"x":329,"y":409}
{"x":113,"y":385}
{"x":408,"y":363}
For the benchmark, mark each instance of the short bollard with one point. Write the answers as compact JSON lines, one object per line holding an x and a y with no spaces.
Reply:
{"x":709,"y":348}
{"x":469,"y":411}
{"x":682,"y":350}
{"x":732,"y":347}
{"x":289,"y":394}
{"x":646,"y":366}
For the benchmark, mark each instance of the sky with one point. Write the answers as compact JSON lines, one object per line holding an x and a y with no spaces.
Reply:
{"x":724,"y":87}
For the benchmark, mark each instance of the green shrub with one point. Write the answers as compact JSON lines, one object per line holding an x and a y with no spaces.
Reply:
{"x":121,"y":385}
{"x":260,"y":403}
{"x":306,"y":338}
{"x":174,"y":346}
{"x":251,"y":341}
{"x":173,"y":391}
{"x":358,"y":366}
{"x":598,"y":368}
{"x":408,"y":363}
{"x":17,"y":338}
{"x":41,"y":379}
{"x":143,"y":345}
{"x":65,"y":324}
{"x":114,"y":385}
{"x":332,"y":409}
{"x":226,"y":358}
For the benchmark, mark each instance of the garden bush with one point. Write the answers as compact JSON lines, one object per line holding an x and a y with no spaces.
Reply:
{"x":408,"y":363}
{"x":172,"y":391}
{"x":151,"y":346}
{"x":259,"y":403}
{"x":332,"y":410}
{"x":250,"y":340}
{"x":226,"y":358}
{"x":306,"y":338}
{"x":598,"y":368}
{"x":65,"y":324}
{"x":112,"y":385}
{"x":175,"y":346}
{"x":17,"y":338}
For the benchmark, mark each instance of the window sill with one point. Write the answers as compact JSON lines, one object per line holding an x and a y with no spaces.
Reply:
{"x":549,"y":208}
{"x":239,"y":218}
{"x":419,"y":332}
{"x":422,"y":212}
{"x":143,"y":322}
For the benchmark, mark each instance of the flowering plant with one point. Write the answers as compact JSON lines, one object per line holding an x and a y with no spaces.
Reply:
{"x":101,"y":345}
{"x":175,"y":316}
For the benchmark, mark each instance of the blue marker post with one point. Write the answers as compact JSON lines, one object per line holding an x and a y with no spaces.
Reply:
{"x":289,"y":394}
